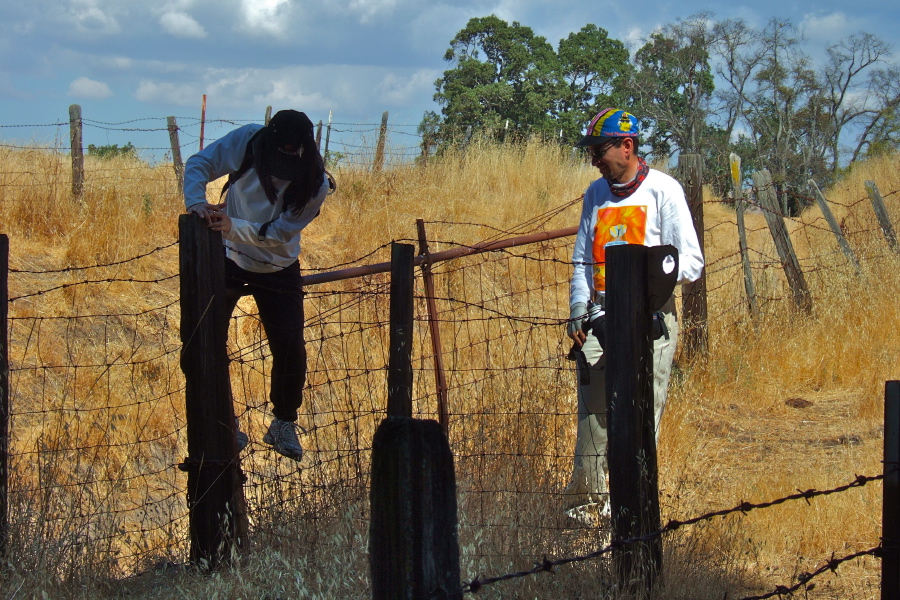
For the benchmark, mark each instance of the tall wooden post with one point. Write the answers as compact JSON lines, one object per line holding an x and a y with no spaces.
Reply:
{"x":176,"y":151}
{"x":765,"y":194}
{"x":696,"y":326}
{"x":319,"y":135}
{"x":881,"y":212}
{"x":637,"y":285}
{"x":835,"y":226}
{"x":327,"y":139}
{"x":202,"y":121}
{"x":268,"y":116}
{"x":413,"y":539}
{"x":4,"y":395}
{"x":75,"y":125}
{"x":218,"y":517}
{"x":400,"y":375}
{"x":434,"y":329}
{"x":737,"y":179}
{"x":890,"y":515}
{"x":379,"y":149}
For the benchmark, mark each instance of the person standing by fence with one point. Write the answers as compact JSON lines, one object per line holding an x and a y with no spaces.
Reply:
{"x":276,"y":186}
{"x":631,"y":204}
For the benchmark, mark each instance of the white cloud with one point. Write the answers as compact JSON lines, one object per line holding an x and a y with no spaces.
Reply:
{"x":828,"y":28}
{"x":402,"y":89}
{"x":179,"y":94}
{"x":369,"y":9}
{"x":265,"y":15}
{"x":89,"y":89}
{"x":91,"y":18}
{"x":180,"y":24}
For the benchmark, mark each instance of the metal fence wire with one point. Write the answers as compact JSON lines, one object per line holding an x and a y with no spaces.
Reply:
{"x":97,"y":424}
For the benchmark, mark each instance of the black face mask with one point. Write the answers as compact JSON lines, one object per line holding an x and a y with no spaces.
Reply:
{"x":289,"y":129}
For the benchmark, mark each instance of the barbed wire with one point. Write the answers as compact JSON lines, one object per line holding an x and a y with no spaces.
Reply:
{"x":744,"y":507}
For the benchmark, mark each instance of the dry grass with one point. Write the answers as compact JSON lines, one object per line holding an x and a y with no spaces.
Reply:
{"x":728,"y":434}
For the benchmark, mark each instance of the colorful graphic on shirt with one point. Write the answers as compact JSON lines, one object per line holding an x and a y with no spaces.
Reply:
{"x":616,"y":225}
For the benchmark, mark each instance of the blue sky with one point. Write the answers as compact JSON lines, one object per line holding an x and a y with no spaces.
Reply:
{"x":124,"y":60}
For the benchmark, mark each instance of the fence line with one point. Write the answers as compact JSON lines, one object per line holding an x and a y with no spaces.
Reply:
{"x":497,"y":296}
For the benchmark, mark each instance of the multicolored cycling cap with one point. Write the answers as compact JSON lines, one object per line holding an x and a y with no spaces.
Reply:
{"x":610,"y":123}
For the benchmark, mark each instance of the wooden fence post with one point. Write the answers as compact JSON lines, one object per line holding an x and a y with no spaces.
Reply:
{"x":890,"y":515}
{"x":737,"y":179}
{"x":218,"y":518}
{"x":202,"y":121}
{"x":176,"y":151}
{"x":636,"y":286}
{"x":835,"y":226}
{"x":268,"y":116}
{"x":75,"y":124}
{"x":413,"y":537}
{"x":765,"y":194}
{"x":327,"y":139}
{"x":434,"y":329}
{"x":400,"y":375}
{"x":379,"y":148}
{"x":881,"y":212}
{"x":696,"y":326}
{"x":319,"y":135}
{"x":4,"y":396}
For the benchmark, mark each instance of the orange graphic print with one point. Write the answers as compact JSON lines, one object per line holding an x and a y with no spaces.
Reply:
{"x":616,"y":225}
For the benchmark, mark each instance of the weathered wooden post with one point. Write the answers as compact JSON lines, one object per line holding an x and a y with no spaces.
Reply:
{"x":881,"y":212}
{"x":75,"y":125}
{"x":835,"y":226}
{"x":319,"y":135}
{"x":434,"y":328}
{"x":202,"y":120}
{"x":4,"y":395}
{"x":327,"y":139}
{"x":890,"y":515}
{"x":400,"y":375}
{"x":696,"y":325}
{"x":218,"y":518}
{"x":740,"y":204}
{"x":765,"y":194}
{"x":637,"y":285}
{"x":176,"y":151}
{"x":268,"y":115}
{"x":378,"y":164}
{"x":413,"y":539}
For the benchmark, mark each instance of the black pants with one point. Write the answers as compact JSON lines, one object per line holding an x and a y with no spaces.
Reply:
{"x":279,"y":298}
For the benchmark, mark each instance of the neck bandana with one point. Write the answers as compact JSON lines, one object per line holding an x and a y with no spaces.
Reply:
{"x":627,"y":189}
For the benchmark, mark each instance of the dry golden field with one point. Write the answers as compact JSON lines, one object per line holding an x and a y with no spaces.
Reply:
{"x":782,"y":403}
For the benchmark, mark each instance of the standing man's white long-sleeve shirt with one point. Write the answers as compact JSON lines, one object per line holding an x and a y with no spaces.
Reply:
{"x":655,"y":214}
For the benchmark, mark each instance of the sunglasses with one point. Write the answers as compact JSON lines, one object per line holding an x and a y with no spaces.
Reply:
{"x":597,"y":153}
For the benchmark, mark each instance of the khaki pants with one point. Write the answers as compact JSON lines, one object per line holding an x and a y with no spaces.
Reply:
{"x":588,"y":482}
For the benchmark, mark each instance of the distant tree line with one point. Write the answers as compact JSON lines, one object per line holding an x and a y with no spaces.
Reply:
{"x":699,"y":86}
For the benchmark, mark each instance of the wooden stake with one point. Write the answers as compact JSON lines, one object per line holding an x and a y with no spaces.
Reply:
{"x":835,"y":227}
{"x":75,"y":125}
{"x":765,"y":194}
{"x":739,"y":205}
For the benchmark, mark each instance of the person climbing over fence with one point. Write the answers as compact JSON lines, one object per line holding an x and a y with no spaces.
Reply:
{"x":276,"y":186}
{"x":631,"y":204}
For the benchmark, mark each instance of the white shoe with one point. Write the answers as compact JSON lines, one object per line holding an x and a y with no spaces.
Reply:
{"x":282,"y":436}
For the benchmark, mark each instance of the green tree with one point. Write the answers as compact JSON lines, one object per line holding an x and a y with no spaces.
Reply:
{"x":501,"y":72}
{"x":594,"y":70}
{"x":504,"y":74}
{"x":673,"y":85}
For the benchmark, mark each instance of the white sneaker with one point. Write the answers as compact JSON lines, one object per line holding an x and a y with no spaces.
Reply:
{"x":282,"y":436}
{"x":593,"y":514}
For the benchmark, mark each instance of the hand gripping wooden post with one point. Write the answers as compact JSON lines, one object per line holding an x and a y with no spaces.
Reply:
{"x":218,"y":514}
{"x":638,"y":283}
{"x":413,"y":539}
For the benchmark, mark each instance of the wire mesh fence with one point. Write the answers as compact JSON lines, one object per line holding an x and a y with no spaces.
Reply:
{"x":97,"y":420}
